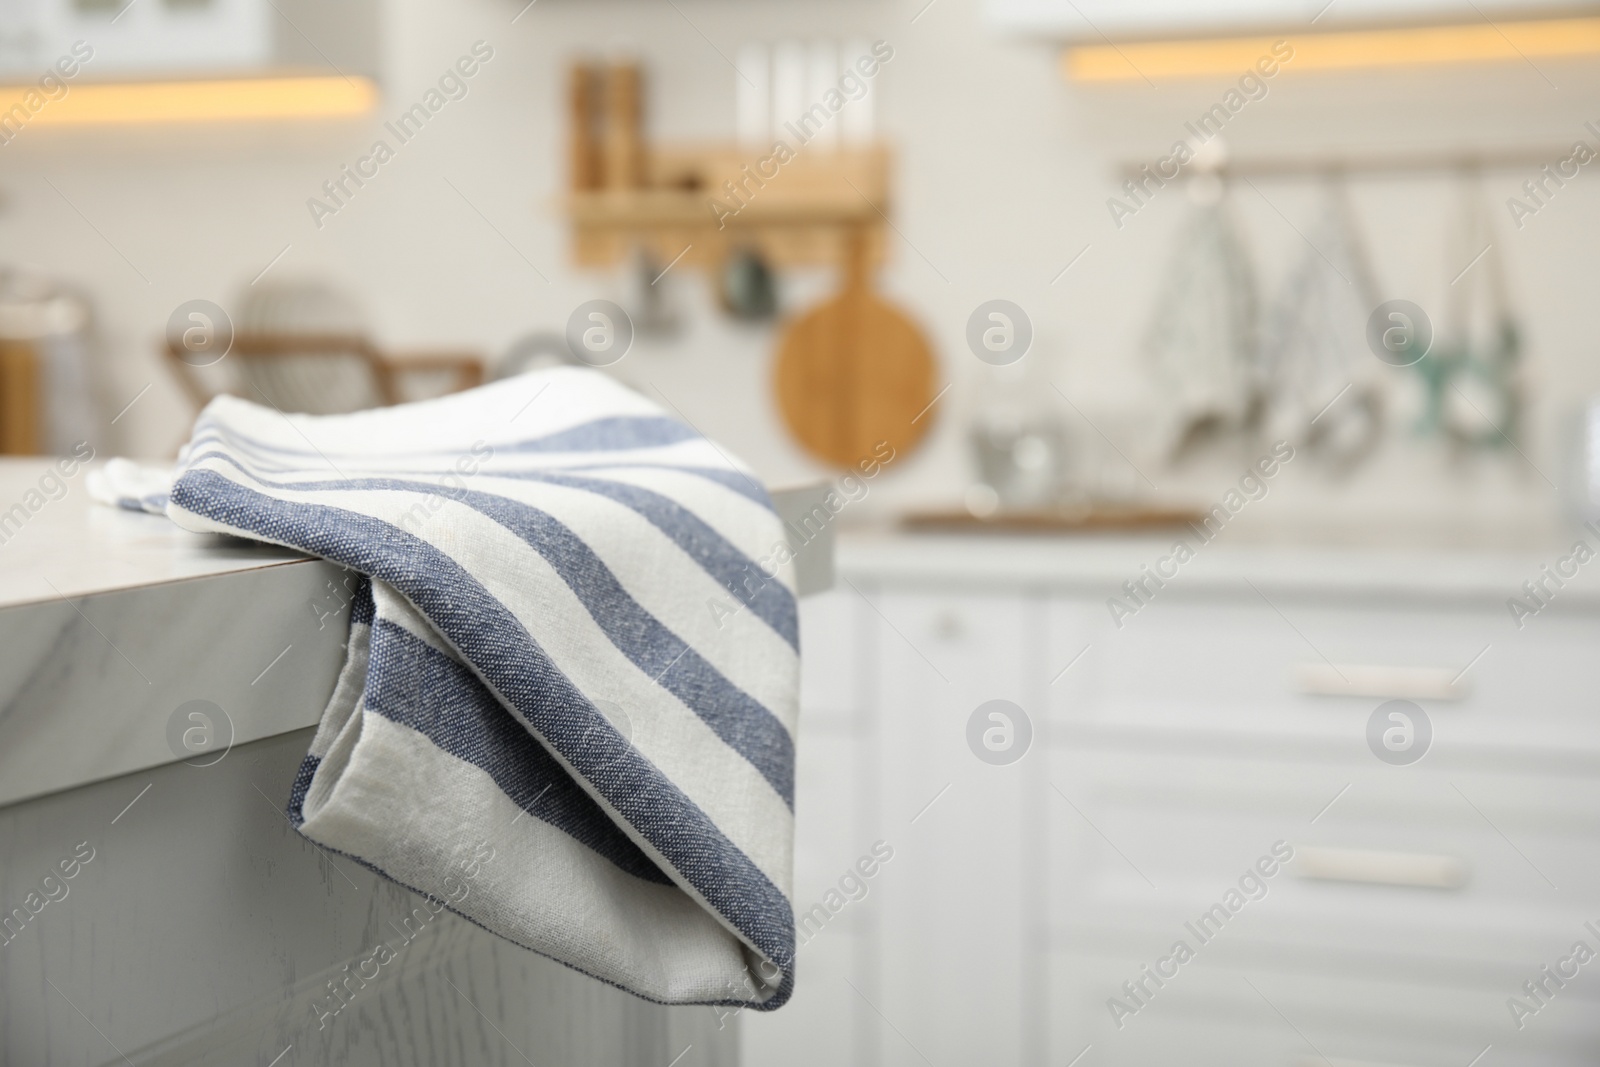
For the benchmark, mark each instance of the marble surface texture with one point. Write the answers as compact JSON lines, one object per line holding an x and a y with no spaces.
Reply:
{"x":112,"y":620}
{"x":55,"y":542}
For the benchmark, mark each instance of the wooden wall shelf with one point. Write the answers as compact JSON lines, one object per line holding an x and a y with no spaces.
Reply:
{"x":798,"y":216}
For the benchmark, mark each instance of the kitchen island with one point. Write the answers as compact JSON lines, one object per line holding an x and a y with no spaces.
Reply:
{"x":158,"y":691}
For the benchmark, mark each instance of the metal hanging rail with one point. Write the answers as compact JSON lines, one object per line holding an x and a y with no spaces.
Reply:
{"x":1417,"y":162}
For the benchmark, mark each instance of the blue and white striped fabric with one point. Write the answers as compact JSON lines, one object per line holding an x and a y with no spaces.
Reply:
{"x":565,"y":662}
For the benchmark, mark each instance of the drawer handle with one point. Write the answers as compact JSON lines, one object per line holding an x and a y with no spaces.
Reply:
{"x":1415,"y":869}
{"x":1382,"y":683}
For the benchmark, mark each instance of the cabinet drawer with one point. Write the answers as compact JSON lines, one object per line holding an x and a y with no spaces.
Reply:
{"x":1149,"y":842}
{"x":1242,"y":662}
{"x":1222,"y":1014}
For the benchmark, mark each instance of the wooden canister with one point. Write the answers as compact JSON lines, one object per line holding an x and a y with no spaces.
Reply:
{"x":583,"y":101}
{"x":624,"y":127}
{"x":19,"y":399}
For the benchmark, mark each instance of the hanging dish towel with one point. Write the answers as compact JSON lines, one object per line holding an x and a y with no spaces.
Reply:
{"x":569,"y":702}
{"x":1203,"y":338}
{"x":1326,"y":389}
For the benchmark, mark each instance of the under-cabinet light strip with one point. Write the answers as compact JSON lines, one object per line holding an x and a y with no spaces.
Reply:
{"x":1413,"y":46}
{"x":188,"y":101}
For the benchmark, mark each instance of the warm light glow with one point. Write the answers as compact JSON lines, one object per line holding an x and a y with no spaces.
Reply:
{"x":1337,"y":51}
{"x":192,"y":101}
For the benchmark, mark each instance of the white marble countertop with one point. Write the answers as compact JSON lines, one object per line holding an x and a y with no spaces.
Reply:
{"x":110,"y":620}
{"x":57,"y":543}
{"x":71,"y":546}
{"x":1101,"y":563}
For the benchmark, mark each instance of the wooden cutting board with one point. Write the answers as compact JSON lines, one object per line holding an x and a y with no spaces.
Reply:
{"x":1112,"y":518}
{"x":854,"y":372}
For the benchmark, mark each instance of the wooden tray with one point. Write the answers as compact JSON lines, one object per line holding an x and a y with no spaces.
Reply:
{"x":1095,"y":518}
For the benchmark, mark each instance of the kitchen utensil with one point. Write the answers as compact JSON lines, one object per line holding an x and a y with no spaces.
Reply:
{"x":1022,"y":462}
{"x":300,"y":345}
{"x":748,"y":290}
{"x":47,"y":401}
{"x":328,"y":381}
{"x":1322,"y":378}
{"x":822,"y":77}
{"x":1019,"y":444}
{"x":623,"y":141}
{"x":1473,"y":375}
{"x":854,"y":372}
{"x":1203,"y":337}
{"x":653,"y":301}
{"x":856,"y":120}
{"x":583,"y":97}
{"x":19,"y":399}
{"x":1580,"y":440}
{"x":788,"y":86}
{"x":752,"y":87}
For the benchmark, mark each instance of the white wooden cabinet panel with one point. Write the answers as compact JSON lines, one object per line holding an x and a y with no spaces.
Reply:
{"x":828,"y":836}
{"x":204,"y":930}
{"x":829,"y":650}
{"x":1175,"y":751}
{"x":1194,"y":826}
{"x":1237,"y":658}
{"x":835,"y":790}
{"x":1184,"y":740}
{"x":952,"y":937}
{"x":817,"y":1025}
{"x":1187,"y":823}
{"x":1210,"y":1016}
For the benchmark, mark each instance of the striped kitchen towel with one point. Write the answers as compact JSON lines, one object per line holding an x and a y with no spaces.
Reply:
{"x":568,"y":706}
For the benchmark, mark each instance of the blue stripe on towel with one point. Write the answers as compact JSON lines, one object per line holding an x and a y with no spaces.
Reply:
{"x":301,"y":786}
{"x":362,"y":607}
{"x":508,"y":658}
{"x":740,"y":720}
{"x":418,"y":686}
{"x":616,"y":433}
{"x":771,"y":602}
{"x":736,"y":480}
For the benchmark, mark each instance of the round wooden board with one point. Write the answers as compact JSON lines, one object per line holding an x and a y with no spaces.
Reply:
{"x":853,"y":373}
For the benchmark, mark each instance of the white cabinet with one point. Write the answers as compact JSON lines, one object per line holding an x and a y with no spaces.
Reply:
{"x":200,"y":929}
{"x":1168,"y":757}
{"x":951,"y":920}
{"x":928,"y":964}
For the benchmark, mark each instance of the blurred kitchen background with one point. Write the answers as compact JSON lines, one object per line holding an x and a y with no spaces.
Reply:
{"x":1001,"y":171}
{"x":1173,"y":335}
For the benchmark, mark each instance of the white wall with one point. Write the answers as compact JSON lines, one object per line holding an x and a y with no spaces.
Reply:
{"x":1003,"y":174}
